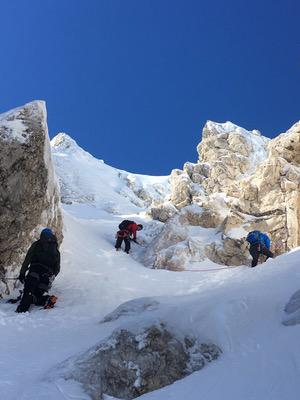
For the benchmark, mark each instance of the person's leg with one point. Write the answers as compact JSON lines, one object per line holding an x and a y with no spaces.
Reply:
{"x":28,"y":296}
{"x":127,"y":245}
{"x":40,"y":298}
{"x":265,"y":251}
{"x":118,"y":242}
{"x":44,"y":285}
{"x":254,"y":252}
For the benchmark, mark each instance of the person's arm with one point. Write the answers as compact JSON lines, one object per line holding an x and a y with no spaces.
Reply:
{"x":27,"y":261}
{"x":57,"y":266}
{"x":267,"y":242}
{"x":133,"y":230}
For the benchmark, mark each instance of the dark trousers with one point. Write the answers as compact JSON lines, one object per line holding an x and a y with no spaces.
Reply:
{"x":126,"y":241}
{"x":34,"y":288}
{"x":256,"y":250}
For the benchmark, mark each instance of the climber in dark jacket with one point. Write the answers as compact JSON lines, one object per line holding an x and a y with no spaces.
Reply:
{"x":42,"y":262}
{"x":259,"y":244}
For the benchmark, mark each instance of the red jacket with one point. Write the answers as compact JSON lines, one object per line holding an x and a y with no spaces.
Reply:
{"x":132,"y":228}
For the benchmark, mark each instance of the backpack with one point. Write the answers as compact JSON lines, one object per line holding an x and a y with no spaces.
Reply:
{"x":46,"y":253}
{"x":254,"y":237}
{"x":123,"y":225}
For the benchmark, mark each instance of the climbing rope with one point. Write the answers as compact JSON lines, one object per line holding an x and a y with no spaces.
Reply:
{"x":211,"y":269}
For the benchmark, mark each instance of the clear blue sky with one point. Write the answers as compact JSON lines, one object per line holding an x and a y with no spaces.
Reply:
{"x":133,"y":81}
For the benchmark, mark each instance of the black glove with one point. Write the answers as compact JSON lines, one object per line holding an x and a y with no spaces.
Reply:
{"x":21,"y":278}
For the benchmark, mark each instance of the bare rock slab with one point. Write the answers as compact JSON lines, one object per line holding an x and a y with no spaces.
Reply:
{"x":29,"y":194}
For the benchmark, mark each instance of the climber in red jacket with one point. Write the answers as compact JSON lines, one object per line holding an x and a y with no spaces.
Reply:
{"x":127,"y":231}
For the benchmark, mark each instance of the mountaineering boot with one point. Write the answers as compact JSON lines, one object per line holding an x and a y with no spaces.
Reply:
{"x":50,"y":302}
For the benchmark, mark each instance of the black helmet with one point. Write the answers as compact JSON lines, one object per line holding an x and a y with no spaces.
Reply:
{"x":140,"y":226}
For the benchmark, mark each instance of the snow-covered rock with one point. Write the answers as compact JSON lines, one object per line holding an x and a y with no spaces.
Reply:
{"x":292,"y":310}
{"x":168,"y":250}
{"x":228,"y":153}
{"x":29,"y":194}
{"x":132,"y":362}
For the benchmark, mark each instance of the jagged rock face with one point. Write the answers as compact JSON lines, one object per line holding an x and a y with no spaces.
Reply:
{"x":197,"y":216}
{"x":226,"y":153}
{"x":29,"y":195}
{"x":128,"y":364}
{"x":180,"y":189}
{"x":242,"y":182}
{"x":275,"y":190}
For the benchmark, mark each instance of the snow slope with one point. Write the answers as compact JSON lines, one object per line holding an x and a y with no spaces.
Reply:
{"x":239,"y":309}
{"x":85,"y":179}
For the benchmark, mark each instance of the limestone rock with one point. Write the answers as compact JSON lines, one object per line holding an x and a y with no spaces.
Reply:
{"x":229,"y":153}
{"x":198,"y":216}
{"x":163,"y":212}
{"x":242,"y":182}
{"x":171,"y":234}
{"x":180,"y":188}
{"x":29,"y":194}
{"x":229,"y":252}
{"x":129,"y":364}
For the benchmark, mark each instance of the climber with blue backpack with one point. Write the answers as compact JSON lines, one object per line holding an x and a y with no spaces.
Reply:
{"x":259,"y":244}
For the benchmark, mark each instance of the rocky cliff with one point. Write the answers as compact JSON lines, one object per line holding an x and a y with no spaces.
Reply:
{"x":241,"y":182}
{"x":29,"y":194}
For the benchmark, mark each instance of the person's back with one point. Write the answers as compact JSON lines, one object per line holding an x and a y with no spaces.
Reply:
{"x":259,"y":244}
{"x":46,"y":254}
{"x":42,"y":262}
{"x":265,"y":240}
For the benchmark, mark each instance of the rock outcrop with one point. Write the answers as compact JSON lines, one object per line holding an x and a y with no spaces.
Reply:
{"x":242,"y":181}
{"x":129,"y":364}
{"x":29,"y":194}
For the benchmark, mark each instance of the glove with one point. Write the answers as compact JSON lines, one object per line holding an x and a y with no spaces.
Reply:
{"x":135,"y":241}
{"x":21,"y":278}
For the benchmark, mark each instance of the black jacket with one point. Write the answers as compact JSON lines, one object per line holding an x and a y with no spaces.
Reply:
{"x":43,"y":253}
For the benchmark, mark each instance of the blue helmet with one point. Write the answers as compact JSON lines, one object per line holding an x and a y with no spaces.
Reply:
{"x":47,"y":232}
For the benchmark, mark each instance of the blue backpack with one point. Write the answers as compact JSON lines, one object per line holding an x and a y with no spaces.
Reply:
{"x":256,"y":237}
{"x":253,"y":237}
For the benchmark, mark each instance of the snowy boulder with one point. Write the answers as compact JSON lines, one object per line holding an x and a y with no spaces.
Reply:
{"x":131,"y":363}
{"x":229,"y":251}
{"x":132,"y":307}
{"x":160,"y":251}
{"x":29,"y":195}
{"x":292,"y":310}
{"x":163,"y":212}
